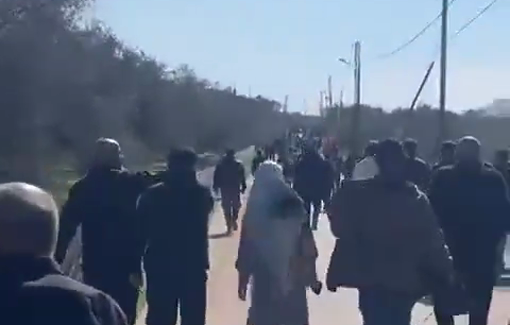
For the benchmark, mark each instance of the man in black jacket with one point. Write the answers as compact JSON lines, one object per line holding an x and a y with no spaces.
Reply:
{"x":470,"y":200}
{"x":33,"y":290}
{"x":174,"y":218}
{"x":417,"y":170}
{"x":447,"y":155}
{"x":104,"y":204}
{"x":313,"y":181}
{"x":500,"y":163}
{"x":230,"y":181}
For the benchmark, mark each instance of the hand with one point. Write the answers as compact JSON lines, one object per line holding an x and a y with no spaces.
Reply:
{"x":136,"y":280}
{"x":241,"y":292}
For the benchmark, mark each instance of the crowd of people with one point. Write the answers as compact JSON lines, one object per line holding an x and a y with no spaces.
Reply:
{"x":404,"y":230}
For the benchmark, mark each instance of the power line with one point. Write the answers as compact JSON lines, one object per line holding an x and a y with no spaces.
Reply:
{"x":472,"y":20}
{"x":415,"y":37}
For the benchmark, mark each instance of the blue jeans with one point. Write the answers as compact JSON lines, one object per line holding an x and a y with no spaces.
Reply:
{"x":384,"y":307}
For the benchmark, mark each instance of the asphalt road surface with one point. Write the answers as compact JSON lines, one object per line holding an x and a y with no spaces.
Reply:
{"x":224,"y":308}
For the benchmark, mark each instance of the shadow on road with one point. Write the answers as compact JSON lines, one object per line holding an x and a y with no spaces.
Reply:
{"x":219,"y":236}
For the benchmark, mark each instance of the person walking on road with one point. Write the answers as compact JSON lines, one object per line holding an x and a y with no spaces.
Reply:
{"x":387,"y":240}
{"x":447,"y":155}
{"x":367,"y":167}
{"x":33,"y":289}
{"x":417,"y":170}
{"x":277,"y":252}
{"x":230,"y":181}
{"x":257,"y":160}
{"x":173,"y":218}
{"x":103,"y":203}
{"x":501,"y":158}
{"x":313,"y":181}
{"x":471,"y":202}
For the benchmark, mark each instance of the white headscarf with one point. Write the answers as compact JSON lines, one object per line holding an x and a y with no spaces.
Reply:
{"x":273,"y":233}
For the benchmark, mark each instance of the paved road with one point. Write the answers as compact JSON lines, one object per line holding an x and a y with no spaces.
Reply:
{"x":329,"y":308}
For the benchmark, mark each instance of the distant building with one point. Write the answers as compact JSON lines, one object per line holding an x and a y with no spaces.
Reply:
{"x":499,"y":107}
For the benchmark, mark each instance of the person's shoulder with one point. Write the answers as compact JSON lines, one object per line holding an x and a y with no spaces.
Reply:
{"x":369,"y":160}
{"x":350,"y":185}
{"x":155,"y":189}
{"x":442,"y":171}
{"x":62,"y":284}
{"x":420,"y":162}
{"x":491,"y":173}
{"x":81,"y":300}
{"x":79,"y":186}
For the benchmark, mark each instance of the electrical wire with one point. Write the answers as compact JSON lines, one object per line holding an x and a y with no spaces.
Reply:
{"x":415,"y":37}
{"x":472,"y":20}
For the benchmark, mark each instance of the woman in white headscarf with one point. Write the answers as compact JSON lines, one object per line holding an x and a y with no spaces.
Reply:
{"x":273,"y":243}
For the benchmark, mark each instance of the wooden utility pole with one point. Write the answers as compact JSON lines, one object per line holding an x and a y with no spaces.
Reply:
{"x":443,"y":128}
{"x":356,"y":113}
{"x":339,"y":108}
{"x":321,"y":103}
{"x":410,"y":116}
{"x":330,"y":92}
{"x":423,"y":82}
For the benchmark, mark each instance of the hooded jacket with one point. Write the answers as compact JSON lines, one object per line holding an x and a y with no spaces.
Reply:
{"x":387,"y":237}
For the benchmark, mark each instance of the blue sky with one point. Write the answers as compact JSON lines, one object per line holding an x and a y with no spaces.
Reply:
{"x":289,"y":47}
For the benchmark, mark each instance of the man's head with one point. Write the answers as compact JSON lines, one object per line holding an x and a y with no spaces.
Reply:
{"x":182,"y":159}
{"x":371,"y":148}
{"x":501,"y":158}
{"x":448,"y":152}
{"x":28,"y":221}
{"x":230,"y":153}
{"x":468,"y":150}
{"x":410,"y":148}
{"x":107,"y":153}
{"x":391,"y":160}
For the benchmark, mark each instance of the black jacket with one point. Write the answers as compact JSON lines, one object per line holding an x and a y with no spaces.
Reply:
{"x":313,"y":177}
{"x":34,"y":292}
{"x":104,"y":204}
{"x":418,"y":172}
{"x":229,"y":176}
{"x":174,"y":219}
{"x":472,"y":205}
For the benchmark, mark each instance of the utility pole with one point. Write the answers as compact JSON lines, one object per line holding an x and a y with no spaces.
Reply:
{"x":330,"y":92}
{"x":356,"y":114}
{"x":321,"y":103}
{"x":410,"y":116}
{"x":338,"y":112}
{"x":443,"y":131}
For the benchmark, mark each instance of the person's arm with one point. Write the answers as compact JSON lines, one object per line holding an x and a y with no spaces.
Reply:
{"x":208,"y":208}
{"x":437,"y":263}
{"x":107,"y":311}
{"x":71,"y":217}
{"x":242,"y":175}
{"x":142,"y":216}
{"x":336,"y":213}
{"x":436,"y":195}
{"x":217,"y":177}
{"x":425,"y":177}
{"x":501,"y":203}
